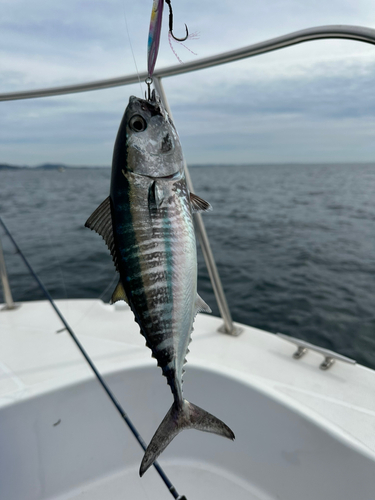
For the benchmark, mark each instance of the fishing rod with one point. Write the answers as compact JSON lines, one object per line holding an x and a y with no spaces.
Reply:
{"x":102,"y":382}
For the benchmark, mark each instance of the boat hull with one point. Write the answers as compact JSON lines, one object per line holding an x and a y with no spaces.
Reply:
{"x":300,"y":432}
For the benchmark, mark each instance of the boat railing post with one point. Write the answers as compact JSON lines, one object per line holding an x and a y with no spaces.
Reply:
{"x":8,"y":299}
{"x":228,"y":326}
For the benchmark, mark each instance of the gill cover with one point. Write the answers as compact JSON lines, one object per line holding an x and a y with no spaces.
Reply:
{"x":152,"y":144}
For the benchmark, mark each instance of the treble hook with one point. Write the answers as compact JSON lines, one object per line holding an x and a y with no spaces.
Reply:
{"x":168,"y":2}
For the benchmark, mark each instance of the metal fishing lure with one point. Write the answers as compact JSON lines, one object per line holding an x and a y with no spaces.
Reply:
{"x":155,"y":30}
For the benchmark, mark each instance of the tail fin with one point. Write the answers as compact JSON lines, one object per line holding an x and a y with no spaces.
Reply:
{"x":182,"y":415}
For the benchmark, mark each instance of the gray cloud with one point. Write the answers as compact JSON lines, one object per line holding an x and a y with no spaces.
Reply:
{"x":303,"y":119}
{"x":308,"y":102}
{"x":323,"y":97}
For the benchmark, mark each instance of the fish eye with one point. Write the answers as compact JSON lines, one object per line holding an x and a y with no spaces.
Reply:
{"x":137,"y":123}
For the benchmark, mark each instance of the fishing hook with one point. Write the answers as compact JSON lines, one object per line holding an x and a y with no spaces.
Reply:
{"x":168,"y":2}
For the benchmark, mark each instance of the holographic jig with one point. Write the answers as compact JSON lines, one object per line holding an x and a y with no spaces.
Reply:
{"x":154,"y":33}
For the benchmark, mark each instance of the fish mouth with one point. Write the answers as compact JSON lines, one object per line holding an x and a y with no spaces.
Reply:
{"x":174,"y":176}
{"x":167,"y":177}
{"x":161,"y":154}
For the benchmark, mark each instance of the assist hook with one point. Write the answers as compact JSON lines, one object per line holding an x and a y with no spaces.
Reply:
{"x":168,"y":2}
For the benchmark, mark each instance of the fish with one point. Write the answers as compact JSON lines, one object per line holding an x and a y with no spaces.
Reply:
{"x":147,"y":224}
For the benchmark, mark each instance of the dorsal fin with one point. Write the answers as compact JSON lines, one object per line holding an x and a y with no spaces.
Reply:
{"x":198,"y":204}
{"x":100,"y":221}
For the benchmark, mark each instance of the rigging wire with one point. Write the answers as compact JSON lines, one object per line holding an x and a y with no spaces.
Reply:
{"x":102,"y":382}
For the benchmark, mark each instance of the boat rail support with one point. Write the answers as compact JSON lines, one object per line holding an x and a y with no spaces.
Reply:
{"x":329,"y":356}
{"x":228,"y":327}
{"x":8,"y":299}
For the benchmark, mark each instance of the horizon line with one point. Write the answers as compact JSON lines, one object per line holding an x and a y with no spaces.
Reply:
{"x":51,"y":166}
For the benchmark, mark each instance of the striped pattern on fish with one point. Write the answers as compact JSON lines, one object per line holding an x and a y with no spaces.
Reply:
{"x":158,"y":254}
{"x":148,"y":226}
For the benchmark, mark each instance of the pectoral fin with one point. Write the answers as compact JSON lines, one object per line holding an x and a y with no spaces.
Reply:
{"x":119,"y":294}
{"x":198,"y":204}
{"x":155,"y":196}
{"x":100,"y":221}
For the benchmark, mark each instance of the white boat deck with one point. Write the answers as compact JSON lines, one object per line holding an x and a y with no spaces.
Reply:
{"x":300,"y":432}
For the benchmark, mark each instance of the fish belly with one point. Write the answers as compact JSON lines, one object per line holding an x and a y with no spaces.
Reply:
{"x":159,"y":263}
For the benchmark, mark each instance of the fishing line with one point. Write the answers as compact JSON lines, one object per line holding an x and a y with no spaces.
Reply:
{"x":107,"y":288}
{"x":57,"y":263}
{"x":102,"y":382}
{"x":131,"y":45}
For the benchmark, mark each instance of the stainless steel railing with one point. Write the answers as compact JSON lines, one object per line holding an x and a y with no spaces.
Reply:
{"x":9,"y":304}
{"x":358,"y":33}
{"x":228,"y":326}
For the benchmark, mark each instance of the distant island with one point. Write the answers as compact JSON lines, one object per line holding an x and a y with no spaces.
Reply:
{"x":5,"y":166}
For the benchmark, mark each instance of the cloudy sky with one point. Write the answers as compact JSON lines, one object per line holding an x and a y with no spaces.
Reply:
{"x":314,"y":102}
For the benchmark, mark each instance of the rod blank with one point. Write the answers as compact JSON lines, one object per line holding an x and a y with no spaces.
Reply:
{"x":100,"y":379}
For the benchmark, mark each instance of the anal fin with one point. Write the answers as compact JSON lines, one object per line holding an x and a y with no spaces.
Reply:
{"x":201,"y":306}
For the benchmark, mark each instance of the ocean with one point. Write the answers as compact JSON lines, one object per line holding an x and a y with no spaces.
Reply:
{"x":294,"y":245}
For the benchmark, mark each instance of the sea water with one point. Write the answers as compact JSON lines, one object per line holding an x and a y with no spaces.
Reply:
{"x":294,"y":245}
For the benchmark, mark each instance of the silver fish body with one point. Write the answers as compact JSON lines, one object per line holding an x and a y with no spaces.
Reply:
{"x":147,"y":224}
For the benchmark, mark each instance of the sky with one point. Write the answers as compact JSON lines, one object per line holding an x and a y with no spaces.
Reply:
{"x":311,"y":103}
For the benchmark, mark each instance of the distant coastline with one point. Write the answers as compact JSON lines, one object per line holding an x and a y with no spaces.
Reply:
{"x":61,"y":166}
{"x":44,"y":166}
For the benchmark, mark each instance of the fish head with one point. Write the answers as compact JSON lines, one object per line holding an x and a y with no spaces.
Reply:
{"x":152,"y":144}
